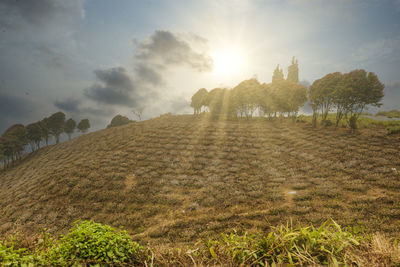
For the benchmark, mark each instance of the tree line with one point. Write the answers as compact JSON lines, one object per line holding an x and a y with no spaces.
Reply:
{"x":282,"y":97}
{"x":347,"y":94}
{"x":14,"y":140}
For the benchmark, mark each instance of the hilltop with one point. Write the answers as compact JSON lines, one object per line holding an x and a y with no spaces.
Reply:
{"x":181,"y":178}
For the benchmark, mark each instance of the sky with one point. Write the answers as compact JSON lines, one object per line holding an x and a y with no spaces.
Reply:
{"x":98,"y":58}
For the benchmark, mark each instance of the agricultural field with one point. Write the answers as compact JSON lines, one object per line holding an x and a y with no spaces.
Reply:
{"x":179,"y":179}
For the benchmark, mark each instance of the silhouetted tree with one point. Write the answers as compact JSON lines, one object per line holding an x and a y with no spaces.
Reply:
{"x":69,"y":127}
{"x":277,"y":76}
{"x":84,"y":125}
{"x":243,"y":97}
{"x":45,"y":129}
{"x":14,"y":140}
{"x":293,"y":71}
{"x":34,"y":134}
{"x":56,"y":125}
{"x":199,"y":100}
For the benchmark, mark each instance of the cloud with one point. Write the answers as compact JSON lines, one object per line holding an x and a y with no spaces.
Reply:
{"x":15,"y":108}
{"x":148,"y":74}
{"x":39,"y":12}
{"x":115,"y":87}
{"x":68,"y":105}
{"x":168,"y":49}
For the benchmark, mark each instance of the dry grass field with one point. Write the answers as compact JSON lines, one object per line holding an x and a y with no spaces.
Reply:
{"x":178,"y":179}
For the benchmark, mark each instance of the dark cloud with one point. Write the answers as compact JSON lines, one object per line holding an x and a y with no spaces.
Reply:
{"x":52,"y":58}
{"x":15,"y":109}
{"x":148,"y":74}
{"x":39,"y":12}
{"x":116,"y":87}
{"x":68,"y":105}
{"x":167,"y":48}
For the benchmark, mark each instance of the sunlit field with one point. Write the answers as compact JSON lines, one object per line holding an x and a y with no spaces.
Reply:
{"x":176,"y":179}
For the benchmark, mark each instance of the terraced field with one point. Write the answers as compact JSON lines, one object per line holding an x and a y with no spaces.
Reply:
{"x":181,"y":178}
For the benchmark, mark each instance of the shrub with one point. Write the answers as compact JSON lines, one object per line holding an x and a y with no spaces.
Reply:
{"x":119,"y":120}
{"x":326,"y":123}
{"x":94,"y":242}
{"x":12,"y":256}
{"x":393,"y":130}
{"x":325,"y":245}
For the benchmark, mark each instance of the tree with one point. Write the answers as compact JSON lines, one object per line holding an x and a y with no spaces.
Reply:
{"x":14,"y":140}
{"x":34,"y":134}
{"x":119,"y":120}
{"x":56,"y":125}
{"x":83,"y":125}
{"x":138,"y":112}
{"x":199,"y":100}
{"x":44,"y":125}
{"x":358,"y":90}
{"x":322,"y":94}
{"x":243,"y":97}
{"x":264,"y":100}
{"x":293,"y":71}
{"x":69,"y":127}
{"x":2,"y":154}
{"x":277,"y":76}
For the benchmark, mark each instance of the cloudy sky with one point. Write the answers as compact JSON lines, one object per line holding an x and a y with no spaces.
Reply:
{"x":97,"y":58}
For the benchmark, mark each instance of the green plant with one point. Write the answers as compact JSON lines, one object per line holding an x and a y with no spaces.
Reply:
{"x":393,"y":130}
{"x":94,"y":242}
{"x":11,"y":255}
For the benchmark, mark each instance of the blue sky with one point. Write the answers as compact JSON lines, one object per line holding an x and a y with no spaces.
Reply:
{"x":97,"y":58}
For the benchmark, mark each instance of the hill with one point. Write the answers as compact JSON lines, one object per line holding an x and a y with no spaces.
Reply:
{"x":181,"y":178}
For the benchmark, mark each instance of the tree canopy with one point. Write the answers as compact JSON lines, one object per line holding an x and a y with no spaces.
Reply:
{"x":83,"y":125}
{"x":56,"y":125}
{"x":69,"y":127}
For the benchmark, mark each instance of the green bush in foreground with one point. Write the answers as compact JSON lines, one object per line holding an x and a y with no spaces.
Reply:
{"x":325,"y":245}
{"x":94,"y":242}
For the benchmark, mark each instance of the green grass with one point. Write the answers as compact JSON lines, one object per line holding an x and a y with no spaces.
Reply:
{"x":390,"y":114}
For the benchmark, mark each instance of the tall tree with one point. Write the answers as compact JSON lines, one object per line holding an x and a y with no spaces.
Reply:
{"x":83,"y":125}
{"x":14,"y":140}
{"x":56,"y":125}
{"x":322,"y":95}
{"x":44,"y":125}
{"x":244,"y":97}
{"x":198,"y":100}
{"x":69,"y":127}
{"x":277,"y":76}
{"x":293,"y":71}
{"x":34,"y":133}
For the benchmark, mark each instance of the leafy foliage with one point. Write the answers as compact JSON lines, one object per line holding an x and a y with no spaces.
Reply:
{"x":94,"y":242}
{"x":69,"y":127}
{"x":83,"y":125}
{"x":119,"y":120}
{"x":287,"y":245}
{"x":56,"y":125}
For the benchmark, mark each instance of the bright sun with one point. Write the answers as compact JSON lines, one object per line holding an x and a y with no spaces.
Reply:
{"x":227,"y":62}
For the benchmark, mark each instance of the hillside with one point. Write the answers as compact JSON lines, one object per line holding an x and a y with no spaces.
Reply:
{"x":180,"y":178}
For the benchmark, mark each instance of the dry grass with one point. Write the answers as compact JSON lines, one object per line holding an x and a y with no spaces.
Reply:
{"x":178,"y":179}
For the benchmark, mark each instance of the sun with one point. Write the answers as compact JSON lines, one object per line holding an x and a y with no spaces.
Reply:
{"x":228,"y":62}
